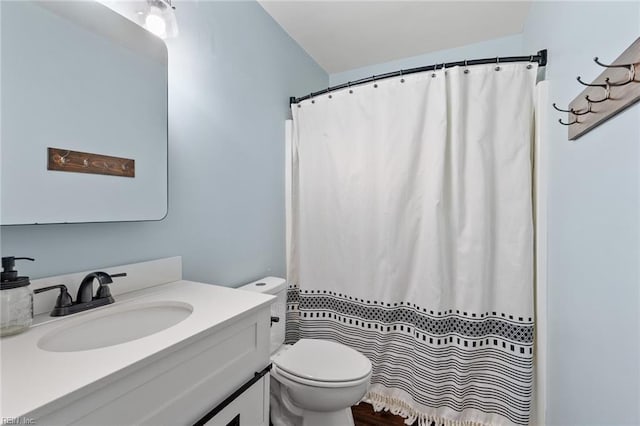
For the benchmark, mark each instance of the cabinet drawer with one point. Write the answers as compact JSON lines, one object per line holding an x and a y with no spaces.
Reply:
{"x":251,"y":408}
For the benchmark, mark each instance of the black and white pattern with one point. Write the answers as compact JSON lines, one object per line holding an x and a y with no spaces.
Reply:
{"x":448,"y":358}
{"x":410,"y":238}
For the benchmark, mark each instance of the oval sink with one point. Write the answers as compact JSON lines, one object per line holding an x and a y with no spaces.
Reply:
{"x":113,"y":326}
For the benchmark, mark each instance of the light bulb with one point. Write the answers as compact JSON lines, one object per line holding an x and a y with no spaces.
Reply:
{"x":155,"y":23}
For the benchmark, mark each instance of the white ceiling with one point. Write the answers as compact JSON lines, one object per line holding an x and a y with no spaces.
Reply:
{"x":343,"y":35}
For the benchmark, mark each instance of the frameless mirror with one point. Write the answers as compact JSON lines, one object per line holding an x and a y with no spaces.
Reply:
{"x":83,"y":115}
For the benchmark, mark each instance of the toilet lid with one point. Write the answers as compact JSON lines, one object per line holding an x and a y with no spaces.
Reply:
{"x":323,"y":361}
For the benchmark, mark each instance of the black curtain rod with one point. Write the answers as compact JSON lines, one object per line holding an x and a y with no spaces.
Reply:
{"x":540,"y":58}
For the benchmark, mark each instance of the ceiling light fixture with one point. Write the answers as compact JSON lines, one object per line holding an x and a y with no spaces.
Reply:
{"x":160,"y":19}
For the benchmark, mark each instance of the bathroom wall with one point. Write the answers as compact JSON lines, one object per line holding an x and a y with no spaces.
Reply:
{"x":503,"y":46}
{"x":231,"y":72}
{"x":594,"y":223}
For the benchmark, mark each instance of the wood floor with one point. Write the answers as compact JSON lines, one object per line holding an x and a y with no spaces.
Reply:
{"x":363,"y":415}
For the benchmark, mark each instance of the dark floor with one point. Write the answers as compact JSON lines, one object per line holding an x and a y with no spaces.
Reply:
{"x":363,"y":415}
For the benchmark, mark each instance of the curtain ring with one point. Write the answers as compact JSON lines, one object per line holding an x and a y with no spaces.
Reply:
{"x":374,"y":81}
{"x":349,"y":86}
{"x":497,"y":64}
{"x":466,"y":71}
{"x":401,"y":78}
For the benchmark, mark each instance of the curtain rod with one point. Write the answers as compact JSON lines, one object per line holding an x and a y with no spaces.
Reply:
{"x":540,"y":58}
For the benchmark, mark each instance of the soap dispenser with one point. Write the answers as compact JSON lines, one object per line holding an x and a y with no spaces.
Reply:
{"x":16,"y":299}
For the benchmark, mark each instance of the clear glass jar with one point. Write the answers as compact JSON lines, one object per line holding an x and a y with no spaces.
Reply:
{"x":16,"y":310}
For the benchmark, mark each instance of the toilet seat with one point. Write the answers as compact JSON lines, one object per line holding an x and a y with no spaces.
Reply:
{"x":322,"y":363}
{"x":278,"y":373}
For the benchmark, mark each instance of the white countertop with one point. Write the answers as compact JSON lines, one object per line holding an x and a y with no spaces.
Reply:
{"x":32,"y":378}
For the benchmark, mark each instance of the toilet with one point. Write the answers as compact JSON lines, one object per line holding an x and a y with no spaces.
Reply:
{"x":313,"y":382}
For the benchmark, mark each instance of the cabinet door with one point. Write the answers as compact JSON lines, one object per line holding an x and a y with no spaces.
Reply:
{"x":251,"y":408}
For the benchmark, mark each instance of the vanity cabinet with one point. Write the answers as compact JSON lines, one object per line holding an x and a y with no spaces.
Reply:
{"x":180,"y":385}
{"x":199,"y":370}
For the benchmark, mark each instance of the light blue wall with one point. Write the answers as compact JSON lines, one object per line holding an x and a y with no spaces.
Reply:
{"x":504,"y":46}
{"x":594,"y":216}
{"x":231,"y":71}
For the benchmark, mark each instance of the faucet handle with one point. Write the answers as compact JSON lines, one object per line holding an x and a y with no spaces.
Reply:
{"x":120,"y":274}
{"x":103,"y":289}
{"x":63,"y":301}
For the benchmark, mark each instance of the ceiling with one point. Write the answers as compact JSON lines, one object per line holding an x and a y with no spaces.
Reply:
{"x":343,"y":35}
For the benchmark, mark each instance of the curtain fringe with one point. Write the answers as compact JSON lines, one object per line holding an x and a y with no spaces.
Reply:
{"x":401,"y":408}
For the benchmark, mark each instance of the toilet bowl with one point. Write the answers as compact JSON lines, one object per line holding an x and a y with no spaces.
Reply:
{"x":313,"y":382}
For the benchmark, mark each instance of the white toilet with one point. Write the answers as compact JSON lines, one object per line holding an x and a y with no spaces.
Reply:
{"x":313,"y":382}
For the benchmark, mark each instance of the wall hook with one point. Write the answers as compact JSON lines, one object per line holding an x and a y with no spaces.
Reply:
{"x":591,"y":85}
{"x":573,"y":111}
{"x":567,"y":124}
{"x":597,"y":61}
{"x":63,"y":158}
{"x":631,"y":79}
{"x":607,"y":94}
{"x":561,"y":110}
{"x":592,"y":101}
{"x":631,"y":68}
{"x":585,"y":112}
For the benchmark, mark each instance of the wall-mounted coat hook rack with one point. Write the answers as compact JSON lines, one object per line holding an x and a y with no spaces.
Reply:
{"x":65,"y":160}
{"x":621,"y":89}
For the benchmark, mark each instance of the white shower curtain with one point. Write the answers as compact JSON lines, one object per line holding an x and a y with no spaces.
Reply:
{"x":412,"y":239}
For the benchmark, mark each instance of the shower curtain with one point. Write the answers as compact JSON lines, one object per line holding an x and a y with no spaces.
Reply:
{"x":411,"y":238}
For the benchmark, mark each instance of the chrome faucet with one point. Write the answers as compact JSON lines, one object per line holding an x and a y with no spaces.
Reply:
{"x":85,"y":300}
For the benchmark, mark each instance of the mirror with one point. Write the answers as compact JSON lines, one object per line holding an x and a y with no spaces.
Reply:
{"x":83,"y":114}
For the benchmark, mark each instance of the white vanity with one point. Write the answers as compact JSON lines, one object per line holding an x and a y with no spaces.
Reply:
{"x":173,"y":353}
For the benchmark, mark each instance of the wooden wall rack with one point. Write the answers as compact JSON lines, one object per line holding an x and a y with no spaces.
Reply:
{"x":615,"y":89}
{"x":65,"y":160}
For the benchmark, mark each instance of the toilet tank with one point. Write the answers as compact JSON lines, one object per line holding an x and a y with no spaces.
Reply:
{"x":276,"y":287}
